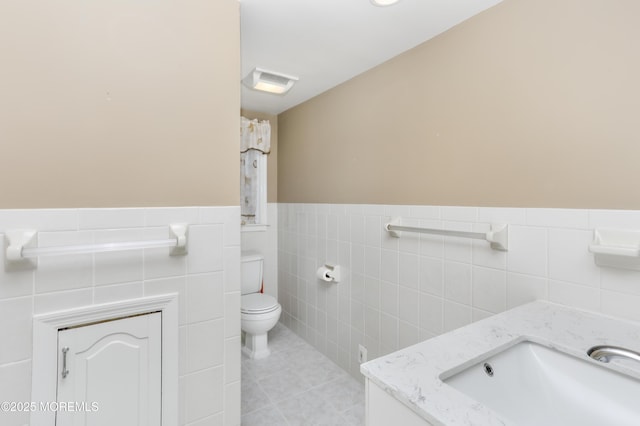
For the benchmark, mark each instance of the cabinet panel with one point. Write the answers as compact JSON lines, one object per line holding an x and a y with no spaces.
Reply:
{"x":116,"y":364}
{"x":383,"y":410}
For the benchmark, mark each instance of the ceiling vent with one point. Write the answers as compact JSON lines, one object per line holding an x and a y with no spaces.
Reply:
{"x":269,"y":81}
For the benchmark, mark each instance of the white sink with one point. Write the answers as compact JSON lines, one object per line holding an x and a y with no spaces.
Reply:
{"x":536,"y":385}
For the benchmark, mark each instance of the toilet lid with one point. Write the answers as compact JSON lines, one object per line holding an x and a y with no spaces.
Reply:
{"x":256,"y":303}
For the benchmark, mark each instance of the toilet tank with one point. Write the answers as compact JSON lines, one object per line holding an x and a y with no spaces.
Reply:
{"x":251,"y":272}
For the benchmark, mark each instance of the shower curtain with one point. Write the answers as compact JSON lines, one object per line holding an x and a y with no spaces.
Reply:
{"x":255,"y":141}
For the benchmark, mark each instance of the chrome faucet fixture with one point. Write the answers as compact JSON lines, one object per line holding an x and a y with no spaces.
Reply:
{"x":604,"y":353}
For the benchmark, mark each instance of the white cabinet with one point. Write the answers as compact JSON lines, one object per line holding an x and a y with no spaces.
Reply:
{"x":115,"y":364}
{"x":383,"y":409}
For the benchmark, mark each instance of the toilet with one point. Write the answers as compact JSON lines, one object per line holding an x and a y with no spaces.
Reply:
{"x":259,"y":312}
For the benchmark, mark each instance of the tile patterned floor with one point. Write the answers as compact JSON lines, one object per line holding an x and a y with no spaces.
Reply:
{"x":297,"y":385}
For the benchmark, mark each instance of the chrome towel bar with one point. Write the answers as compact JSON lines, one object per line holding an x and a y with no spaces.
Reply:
{"x":20,"y":245}
{"x":498,"y":236}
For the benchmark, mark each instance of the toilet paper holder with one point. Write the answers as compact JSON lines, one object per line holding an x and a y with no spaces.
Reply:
{"x":329,"y":273}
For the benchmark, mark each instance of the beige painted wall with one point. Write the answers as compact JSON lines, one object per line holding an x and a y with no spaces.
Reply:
{"x":272,"y":158}
{"x":531,"y":103}
{"x":110,"y":104}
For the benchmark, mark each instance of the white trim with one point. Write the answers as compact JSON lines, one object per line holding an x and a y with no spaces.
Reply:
{"x":253,"y":228}
{"x":261,"y":214}
{"x":45,"y":346}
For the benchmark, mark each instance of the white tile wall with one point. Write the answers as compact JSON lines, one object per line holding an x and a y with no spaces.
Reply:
{"x":18,"y":375}
{"x":209,"y":276}
{"x":266,"y":242}
{"x":398,"y":291}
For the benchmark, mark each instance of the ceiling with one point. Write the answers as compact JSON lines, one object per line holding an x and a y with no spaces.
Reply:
{"x":327,"y":42}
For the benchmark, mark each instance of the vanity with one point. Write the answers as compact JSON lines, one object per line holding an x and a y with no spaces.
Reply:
{"x":526,"y":366}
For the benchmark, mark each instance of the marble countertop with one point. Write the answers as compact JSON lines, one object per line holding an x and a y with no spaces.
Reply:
{"x":411,"y":375}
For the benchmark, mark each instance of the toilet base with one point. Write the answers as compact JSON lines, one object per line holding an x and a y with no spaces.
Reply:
{"x":255,"y":346}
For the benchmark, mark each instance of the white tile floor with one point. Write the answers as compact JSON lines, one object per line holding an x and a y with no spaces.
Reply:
{"x":297,"y":385}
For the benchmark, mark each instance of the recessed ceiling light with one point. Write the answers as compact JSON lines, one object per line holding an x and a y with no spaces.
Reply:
{"x":384,"y":2}
{"x":269,"y":81}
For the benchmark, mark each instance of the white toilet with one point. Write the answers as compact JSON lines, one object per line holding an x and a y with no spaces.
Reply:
{"x":259,"y":312}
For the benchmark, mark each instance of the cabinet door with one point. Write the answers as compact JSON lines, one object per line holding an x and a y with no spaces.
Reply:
{"x":115,"y":364}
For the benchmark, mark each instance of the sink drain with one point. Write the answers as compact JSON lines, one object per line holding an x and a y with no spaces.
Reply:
{"x":488,"y":369}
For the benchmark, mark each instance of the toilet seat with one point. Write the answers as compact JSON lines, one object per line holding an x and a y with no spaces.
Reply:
{"x":258,"y":303}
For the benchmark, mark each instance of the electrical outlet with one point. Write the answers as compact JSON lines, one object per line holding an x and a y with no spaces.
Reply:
{"x":362,"y":354}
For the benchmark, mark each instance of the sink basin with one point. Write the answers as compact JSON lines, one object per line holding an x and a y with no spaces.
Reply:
{"x":531,"y":384}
